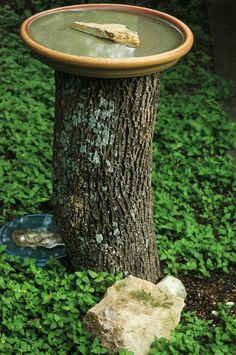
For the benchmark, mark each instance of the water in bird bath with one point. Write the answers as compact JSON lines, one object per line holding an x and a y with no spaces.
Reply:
{"x":54,"y":31}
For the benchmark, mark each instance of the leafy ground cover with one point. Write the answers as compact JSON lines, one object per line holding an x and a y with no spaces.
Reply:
{"x":194,"y":191}
{"x":41,"y":312}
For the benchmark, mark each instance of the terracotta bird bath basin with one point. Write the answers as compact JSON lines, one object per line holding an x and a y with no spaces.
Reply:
{"x":164,"y":40}
{"x":107,"y":61}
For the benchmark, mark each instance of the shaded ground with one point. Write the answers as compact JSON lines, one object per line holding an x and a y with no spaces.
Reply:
{"x":222,"y":24}
{"x":204,"y":294}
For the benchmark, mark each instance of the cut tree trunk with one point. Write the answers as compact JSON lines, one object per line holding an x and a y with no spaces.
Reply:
{"x":102,"y":172}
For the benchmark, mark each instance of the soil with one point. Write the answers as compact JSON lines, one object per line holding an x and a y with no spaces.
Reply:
{"x":203,"y":294}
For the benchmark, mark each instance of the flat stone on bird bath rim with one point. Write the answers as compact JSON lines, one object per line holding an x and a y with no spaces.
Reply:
{"x":114,"y":32}
{"x":50,"y":36}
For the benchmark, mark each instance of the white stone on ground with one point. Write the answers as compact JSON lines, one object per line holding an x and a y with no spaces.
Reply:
{"x":134,"y":311}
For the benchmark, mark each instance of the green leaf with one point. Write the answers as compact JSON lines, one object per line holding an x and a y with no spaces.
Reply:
{"x":93,"y":274}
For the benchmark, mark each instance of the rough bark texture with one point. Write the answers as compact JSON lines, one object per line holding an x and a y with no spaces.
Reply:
{"x":102,"y":172}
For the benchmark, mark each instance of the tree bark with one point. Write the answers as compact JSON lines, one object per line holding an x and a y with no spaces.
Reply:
{"x":102,"y":172}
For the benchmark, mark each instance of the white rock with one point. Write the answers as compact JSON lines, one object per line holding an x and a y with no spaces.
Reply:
{"x":174,"y":285}
{"x":230,"y":304}
{"x":112,"y":31}
{"x":215,"y":313}
{"x":134,"y":311}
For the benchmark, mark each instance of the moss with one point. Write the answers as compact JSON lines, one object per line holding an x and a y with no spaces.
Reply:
{"x":146,"y":297}
{"x":120,"y":285}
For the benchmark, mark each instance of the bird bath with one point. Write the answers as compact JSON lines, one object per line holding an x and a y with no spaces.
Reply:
{"x":164,"y":40}
{"x":106,"y":96}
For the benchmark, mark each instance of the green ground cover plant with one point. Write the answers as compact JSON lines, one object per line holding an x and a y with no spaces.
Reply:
{"x":41,"y":309}
{"x":41,"y":312}
{"x":193,"y":181}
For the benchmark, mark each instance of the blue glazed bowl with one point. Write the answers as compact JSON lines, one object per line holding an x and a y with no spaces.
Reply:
{"x":35,"y":222}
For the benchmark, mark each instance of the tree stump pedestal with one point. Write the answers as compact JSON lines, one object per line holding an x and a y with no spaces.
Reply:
{"x":102,"y":172}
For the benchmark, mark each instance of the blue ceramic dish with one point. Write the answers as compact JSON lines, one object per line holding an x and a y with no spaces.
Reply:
{"x":35,"y":222}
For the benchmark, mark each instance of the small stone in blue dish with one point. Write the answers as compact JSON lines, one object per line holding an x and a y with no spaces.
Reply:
{"x":39,"y":223}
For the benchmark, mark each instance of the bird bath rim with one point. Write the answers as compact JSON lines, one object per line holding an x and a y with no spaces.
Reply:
{"x":109,"y":67}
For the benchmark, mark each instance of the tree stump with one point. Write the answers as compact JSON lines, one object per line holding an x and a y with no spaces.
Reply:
{"x":102,"y":163}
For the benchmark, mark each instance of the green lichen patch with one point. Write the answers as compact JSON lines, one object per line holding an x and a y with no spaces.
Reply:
{"x":120,"y":285}
{"x":149,"y":299}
